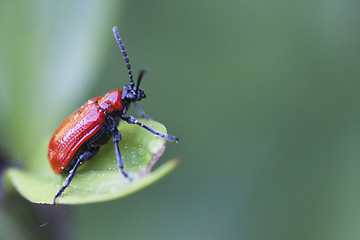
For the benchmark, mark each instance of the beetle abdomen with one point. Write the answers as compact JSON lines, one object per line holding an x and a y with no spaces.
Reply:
{"x":73,"y":133}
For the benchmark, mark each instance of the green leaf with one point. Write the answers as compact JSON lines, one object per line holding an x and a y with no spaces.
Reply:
{"x":99,"y":179}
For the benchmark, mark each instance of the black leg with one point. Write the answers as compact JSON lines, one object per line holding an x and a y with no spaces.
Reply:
{"x":141,"y":112}
{"x":116,"y":140}
{"x":132,"y":120}
{"x":83,"y":157}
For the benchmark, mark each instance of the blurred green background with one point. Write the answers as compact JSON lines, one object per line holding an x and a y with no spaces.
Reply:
{"x":264,"y":96}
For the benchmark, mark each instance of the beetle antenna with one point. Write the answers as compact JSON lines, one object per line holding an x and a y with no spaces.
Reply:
{"x":123,"y":51}
{"x":141,"y":74}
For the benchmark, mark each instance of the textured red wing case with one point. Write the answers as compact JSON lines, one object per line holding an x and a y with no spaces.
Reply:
{"x":73,"y":133}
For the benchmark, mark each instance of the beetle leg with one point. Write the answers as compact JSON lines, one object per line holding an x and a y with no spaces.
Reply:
{"x":141,"y":112}
{"x":132,"y":120}
{"x":83,"y":157}
{"x":116,"y":140}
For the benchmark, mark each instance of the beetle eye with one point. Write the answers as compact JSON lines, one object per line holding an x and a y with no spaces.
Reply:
{"x":141,"y":94}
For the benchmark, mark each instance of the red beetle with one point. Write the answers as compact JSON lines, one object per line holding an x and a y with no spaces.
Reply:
{"x":80,"y":136}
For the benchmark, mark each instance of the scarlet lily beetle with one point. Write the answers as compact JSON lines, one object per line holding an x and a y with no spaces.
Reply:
{"x":81,"y":135}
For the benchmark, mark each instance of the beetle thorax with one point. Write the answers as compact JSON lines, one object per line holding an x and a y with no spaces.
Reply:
{"x":111,"y":102}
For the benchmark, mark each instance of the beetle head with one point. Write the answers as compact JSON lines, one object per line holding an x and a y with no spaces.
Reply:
{"x":133,"y":94}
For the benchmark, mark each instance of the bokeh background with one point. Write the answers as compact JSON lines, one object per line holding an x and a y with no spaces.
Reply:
{"x":264,"y":96}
